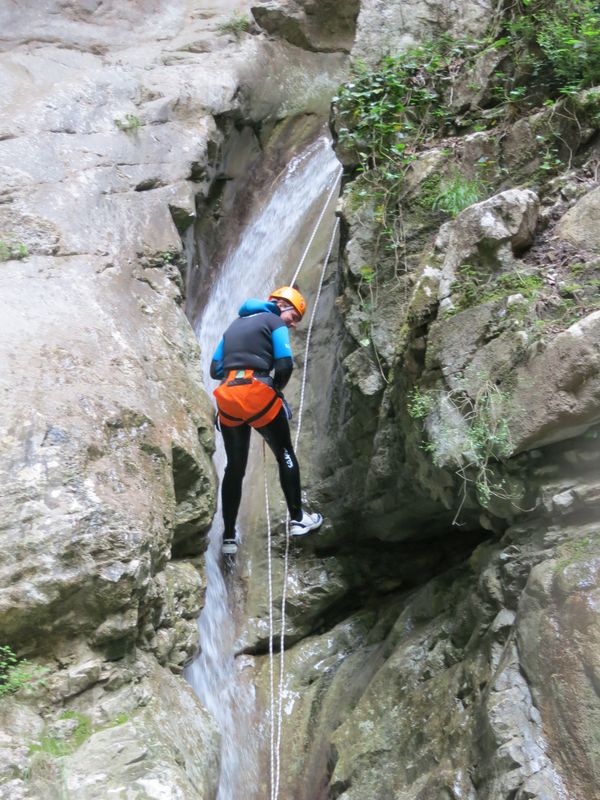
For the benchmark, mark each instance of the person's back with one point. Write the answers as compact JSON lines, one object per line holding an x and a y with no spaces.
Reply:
{"x":254,"y":345}
{"x":256,"y":339}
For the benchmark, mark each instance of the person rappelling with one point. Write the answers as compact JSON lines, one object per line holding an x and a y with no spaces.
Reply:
{"x":255,"y":345}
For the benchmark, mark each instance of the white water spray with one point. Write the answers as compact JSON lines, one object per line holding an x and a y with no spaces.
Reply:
{"x":263,"y":252}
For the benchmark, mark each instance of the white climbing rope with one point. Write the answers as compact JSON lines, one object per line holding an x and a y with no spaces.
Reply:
{"x":310,"y":327}
{"x":271,"y":669}
{"x":276,"y":729}
{"x":316,"y":228}
{"x":287,"y":521}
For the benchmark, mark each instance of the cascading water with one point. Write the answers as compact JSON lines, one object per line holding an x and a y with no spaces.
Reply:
{"x":262,"y":255}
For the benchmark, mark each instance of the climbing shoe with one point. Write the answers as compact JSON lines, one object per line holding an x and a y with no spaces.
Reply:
{"x":308,"y":523}
{"x":229,"y":547}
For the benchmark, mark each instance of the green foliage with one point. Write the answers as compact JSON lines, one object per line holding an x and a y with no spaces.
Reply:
{"x":367,"y":274}
{"x":468,"y":431}
{"x":386,"y":114}
{"x":10,"y":250}
{"x":57,"y":747}
{"x":568,"y":33}
{"x":169,"y":256}
{"x":457,"y":193}
{"x":237,"y":24}
{"x":419,"y":404}
{"x":387,"y":110}
{"x":129,"y":123}
{"x":474,"y":285}
{"x":488,"y":437}
{"x":16,"y":673}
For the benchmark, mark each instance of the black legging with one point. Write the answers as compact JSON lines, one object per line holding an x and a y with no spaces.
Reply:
{"x":237,"y":444}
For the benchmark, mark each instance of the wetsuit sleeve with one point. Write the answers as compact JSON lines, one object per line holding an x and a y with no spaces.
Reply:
{"x":283,"y":371}
{"x":282,"y":356}
{"x":216,"y":365}
{"x":281,"y":342}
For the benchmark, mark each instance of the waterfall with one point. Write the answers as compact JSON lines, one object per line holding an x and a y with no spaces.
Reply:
{"x":267,"y":251}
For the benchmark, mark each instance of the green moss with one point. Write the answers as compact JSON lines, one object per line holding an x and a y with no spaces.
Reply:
{"x":474,"y":286}
{"x":120,"y":719}
{"x":57,"y":747}
{"x":12,"y":251}
{"x":576,"y":551}
{"x":129,"y":123}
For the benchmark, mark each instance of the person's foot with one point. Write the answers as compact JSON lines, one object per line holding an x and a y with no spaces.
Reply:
{"x":308,"y":523}
{"x":229,"y":547}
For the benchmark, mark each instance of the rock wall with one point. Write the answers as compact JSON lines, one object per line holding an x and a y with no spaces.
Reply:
{"x":115,"y":128}
{"x":441,"y":627}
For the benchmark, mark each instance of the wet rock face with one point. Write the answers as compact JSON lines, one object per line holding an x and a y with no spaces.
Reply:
{"x":465,"y":391}
{"x":108,"y":145}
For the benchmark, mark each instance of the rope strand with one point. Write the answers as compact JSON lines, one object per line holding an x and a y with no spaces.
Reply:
{"x":316,"y":228}
{"x":287,"y":523}
{"x":271,"y":668}
{"x":309,"y":332}
{"x":277,"y":725}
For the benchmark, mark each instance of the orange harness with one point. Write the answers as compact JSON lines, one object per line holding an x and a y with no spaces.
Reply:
{"x":242,"y":399}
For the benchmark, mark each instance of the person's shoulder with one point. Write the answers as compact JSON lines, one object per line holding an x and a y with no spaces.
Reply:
{"x":253,"y":306}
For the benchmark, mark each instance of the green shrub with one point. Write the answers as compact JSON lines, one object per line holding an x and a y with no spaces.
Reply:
{"x":128,"y":123}
{"x":569,"y":36}
{"x":457,"y":193}
{"x":419,"y":404}
{"x":467,"y":432}
{"x":10,"y":250}
{"x":387,"y":110}
{"x":16,"y":673}
{"x":237,"y":24}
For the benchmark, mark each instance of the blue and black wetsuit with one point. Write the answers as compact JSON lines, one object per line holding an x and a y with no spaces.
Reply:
{"x":258,"y":340}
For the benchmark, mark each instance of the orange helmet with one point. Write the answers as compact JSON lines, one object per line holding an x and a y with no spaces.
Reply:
{"x":292,"y":296}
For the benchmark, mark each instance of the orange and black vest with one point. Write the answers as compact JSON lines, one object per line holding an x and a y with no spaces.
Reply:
{"x":252,"y":345}
{"x":244,"y":399}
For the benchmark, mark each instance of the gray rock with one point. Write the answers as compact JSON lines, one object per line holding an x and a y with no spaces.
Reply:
{"x":488,"y":234}
{"x":564,"y":380}
{"x":320,"y":26}
{"x":386,"y":27}
{"x":579,"y":225}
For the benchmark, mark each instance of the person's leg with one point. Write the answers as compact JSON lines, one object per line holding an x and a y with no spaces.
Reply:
{"x":237,"y":443}
{"x":277,"y":436}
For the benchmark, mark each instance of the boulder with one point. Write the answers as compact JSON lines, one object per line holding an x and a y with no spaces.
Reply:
{"x":488,"y":234}
{"x":579,"y":225}
{"x":556,"y":394}
{"x":320,"y":26}
{"x":388,"y":27}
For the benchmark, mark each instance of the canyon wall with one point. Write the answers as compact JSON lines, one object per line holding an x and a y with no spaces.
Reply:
{"x":441,"y":627}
